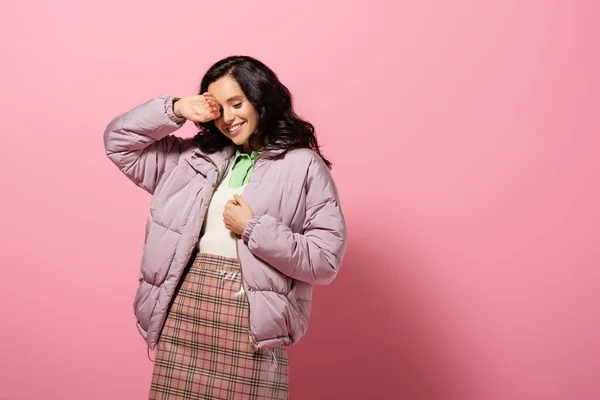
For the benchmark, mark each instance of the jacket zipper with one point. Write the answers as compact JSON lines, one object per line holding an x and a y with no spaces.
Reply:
{"x":253,"y":340}
{"x":251,"y":337}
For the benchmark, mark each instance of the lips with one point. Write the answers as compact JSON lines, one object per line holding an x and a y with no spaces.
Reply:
{"x":235,"y":129}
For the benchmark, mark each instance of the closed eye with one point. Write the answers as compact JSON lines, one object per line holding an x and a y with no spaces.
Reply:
{"x":238,"y":105}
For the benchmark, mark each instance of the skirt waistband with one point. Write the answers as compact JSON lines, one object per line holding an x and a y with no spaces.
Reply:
{"x":215,"y":262}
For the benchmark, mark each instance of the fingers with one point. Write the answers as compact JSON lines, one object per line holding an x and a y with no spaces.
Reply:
{"x":232,"y":203}
{"x":228,"y":221}
{"x":207,"y":109}
{"x":214,"y":113}
{"x":229,"y":207}
{"x":207,"y":112}
{"x":213,"y":103}
{"x":226,"y":217}
{"x":211,"y":99}
{"x":214,"y":110}
{"x":239,"y":200}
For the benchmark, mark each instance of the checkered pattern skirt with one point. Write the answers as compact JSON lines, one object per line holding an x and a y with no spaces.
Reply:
{"x":204,"y":350}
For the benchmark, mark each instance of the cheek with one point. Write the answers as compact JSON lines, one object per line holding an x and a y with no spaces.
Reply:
{"x":253,"y":120}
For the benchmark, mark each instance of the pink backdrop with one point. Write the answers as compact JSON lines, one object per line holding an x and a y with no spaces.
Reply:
{"x":465,"y":141}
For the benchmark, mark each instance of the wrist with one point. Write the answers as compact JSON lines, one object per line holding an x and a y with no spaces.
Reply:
{"x":176,"y":107}
{"x":249,"y":228}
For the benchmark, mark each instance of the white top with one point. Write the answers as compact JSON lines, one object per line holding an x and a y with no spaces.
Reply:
{"x":215,"y":238}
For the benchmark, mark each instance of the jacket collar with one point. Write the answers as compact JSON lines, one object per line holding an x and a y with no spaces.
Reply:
{"x":204,"y":163}
{"x":272,"y":153}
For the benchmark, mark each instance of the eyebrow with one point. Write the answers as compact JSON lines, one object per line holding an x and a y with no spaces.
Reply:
{"x":238,"y":97}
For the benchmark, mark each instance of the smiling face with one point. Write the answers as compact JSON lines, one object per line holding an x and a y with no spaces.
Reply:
{"x":238,"y":116}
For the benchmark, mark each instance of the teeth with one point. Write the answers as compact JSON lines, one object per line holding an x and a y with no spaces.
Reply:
{"x":233,"y":128}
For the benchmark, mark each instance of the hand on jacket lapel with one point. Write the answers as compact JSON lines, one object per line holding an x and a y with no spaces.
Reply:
{"x":237,"y":214}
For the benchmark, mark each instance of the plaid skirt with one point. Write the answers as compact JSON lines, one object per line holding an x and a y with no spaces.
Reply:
{"x":204,"y":350}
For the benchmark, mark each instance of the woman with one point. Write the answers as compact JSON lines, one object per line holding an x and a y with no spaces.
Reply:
{"x":244,"y":219}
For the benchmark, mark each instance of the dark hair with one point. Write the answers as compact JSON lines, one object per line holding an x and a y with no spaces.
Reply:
{"x":279,"y":127}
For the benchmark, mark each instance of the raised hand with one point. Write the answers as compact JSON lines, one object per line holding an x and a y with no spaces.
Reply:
{"x":197,"y":108}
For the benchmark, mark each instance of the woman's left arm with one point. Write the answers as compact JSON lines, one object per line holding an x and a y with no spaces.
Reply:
{"x":316,"y":254}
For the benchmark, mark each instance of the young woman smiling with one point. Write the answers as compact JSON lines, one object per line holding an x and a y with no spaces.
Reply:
{"x":244,"y":219}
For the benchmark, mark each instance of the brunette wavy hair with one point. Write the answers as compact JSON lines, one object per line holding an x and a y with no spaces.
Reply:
{"x":279,"y":127}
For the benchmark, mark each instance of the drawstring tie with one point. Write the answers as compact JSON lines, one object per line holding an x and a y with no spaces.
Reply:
{"x":149,"y":355}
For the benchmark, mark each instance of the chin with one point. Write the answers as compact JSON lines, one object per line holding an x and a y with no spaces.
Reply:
{"x":239,"y":141}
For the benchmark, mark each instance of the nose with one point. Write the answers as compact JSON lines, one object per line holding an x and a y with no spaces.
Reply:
{"x":228,"y":115}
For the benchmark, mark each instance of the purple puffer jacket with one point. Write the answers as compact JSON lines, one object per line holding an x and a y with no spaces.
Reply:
{"x":297,"y":237}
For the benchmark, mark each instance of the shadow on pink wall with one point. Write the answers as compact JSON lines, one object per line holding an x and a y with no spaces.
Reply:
{"x":371,"y":337}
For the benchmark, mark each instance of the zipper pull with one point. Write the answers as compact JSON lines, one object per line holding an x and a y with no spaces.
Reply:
{"x":253,"y":341}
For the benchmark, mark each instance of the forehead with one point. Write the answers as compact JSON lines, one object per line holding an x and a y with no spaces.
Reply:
{"x":225,"y":89}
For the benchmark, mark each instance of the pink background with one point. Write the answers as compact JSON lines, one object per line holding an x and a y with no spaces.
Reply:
{"x":465,"y":141}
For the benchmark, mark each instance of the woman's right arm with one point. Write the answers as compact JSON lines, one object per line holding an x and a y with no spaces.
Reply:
{"x":140,"y":143}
